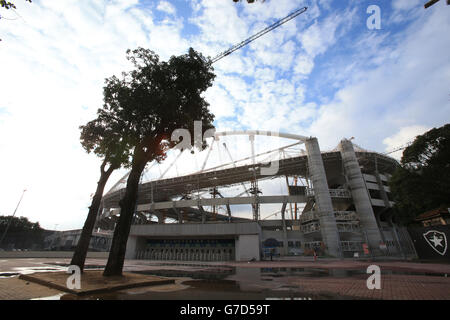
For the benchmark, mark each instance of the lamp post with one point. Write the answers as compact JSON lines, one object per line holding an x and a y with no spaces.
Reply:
{"x":10,"y":220}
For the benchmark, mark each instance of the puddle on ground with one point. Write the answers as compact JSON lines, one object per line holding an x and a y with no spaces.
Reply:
{"x":4,"y":275}
{"x":219,"y":282}
{"x":208,"y":290}
{"x":86,"y":267}
{"x":17,"y":271}
{"x":223,"y":284}
{"x":207,"y":274}
{"x":55,"y":297}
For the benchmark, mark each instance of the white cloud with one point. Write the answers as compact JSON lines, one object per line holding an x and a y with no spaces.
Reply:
{"x":221,"y":104}
{"x":405,"y":4}
{"x":406,"y":10}
{"x":402,"y":137}
{"x":321,"y":35}
{"x":408,"y":89}
{"x":166,"y":7}
{"x":219,"y":22}
{"x":390,"y":86}
{"x":58,"y":56}
{"x":304,"y":64}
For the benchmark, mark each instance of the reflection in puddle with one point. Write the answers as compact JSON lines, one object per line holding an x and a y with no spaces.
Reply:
{"x":206,"y":274}
{"x":220,"y":283}
{"x":86,"y":267}
{"x":8,"y":274}
{"x":55,"y":297}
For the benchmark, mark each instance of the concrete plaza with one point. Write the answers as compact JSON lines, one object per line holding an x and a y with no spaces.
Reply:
{"x":322,"y":279}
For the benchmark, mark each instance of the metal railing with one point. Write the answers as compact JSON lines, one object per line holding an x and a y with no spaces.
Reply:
{"x":346,"y":216}
{"x":339,"y":215}
{"x":312,"y":244}
{"x":309,"y":216}
{"x":351,"y":245}
{"x":348,"y":226}
{"x":310,"y":227}
{"x":334,"y":193}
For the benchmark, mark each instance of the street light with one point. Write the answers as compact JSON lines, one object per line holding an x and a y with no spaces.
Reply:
{"x":9,"y":223}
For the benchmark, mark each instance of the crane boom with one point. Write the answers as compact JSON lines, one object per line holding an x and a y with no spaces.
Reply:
{"x":406,"y":145}
{"x":291,"y":16}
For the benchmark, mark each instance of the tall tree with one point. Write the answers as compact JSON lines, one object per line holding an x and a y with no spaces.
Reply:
{"x":8,"y":5}
{"x":422,"y":182}
{"x":101,"y":137}
{"x":150,"y":102}
{"x":22,"y":233}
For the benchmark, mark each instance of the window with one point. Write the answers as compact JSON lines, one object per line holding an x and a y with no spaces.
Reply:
{"x":375,"y":194}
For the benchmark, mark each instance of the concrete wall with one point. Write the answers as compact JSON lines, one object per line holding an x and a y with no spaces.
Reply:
{"x":247,"y":235}
{"x":48,"y":254}
{"x":195,"y":229}
{"x":130,"y":252}
{"x":247,"y":247}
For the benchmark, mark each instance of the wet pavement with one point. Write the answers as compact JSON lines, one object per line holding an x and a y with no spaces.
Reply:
{"x":327,"y":279}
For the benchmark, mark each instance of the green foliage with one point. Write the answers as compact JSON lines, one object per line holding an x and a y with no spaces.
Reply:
{"x":9,"y":5}
{"x":101,"y":137}
{"x":423,"y":181}
{"x":22,"y":233}
{"x":148,"y":103}
{"x":18,"y":224}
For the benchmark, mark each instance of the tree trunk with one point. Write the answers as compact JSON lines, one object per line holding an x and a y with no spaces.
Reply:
{"x":79,"y":256}
{"x":116,"y":257}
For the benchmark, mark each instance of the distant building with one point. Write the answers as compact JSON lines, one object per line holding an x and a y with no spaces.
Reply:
{"x":435,"y":217}
{"x":67,"y":240}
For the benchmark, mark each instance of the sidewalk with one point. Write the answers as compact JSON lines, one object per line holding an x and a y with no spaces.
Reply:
{"x":345,"y":278}
{"x":17,"y":289}
{"x":393,"y":287}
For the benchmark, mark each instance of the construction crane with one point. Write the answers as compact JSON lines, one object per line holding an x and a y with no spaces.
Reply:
{"x":406,"y":145}
{"x":431,"y":2}
{"x":290,"y":16}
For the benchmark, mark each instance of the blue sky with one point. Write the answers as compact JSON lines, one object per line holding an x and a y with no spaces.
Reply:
{"x":323,"y":74}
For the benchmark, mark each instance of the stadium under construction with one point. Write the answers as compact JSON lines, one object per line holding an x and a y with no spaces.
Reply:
{"x":337,"y":203}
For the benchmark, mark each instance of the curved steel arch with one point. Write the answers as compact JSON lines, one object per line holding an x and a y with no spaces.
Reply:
{"x":235,"y":133}
{"x":261,"y":133}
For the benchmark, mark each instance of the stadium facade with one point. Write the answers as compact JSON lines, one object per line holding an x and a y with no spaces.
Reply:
{"x":346,"y":200}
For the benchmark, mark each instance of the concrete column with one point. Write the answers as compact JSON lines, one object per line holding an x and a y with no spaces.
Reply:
{"x":131,"y":249}
{"x":247,"y":247}
{"x":328,"y":227}
{"x":283,"y":220}
{"x":159,"y":216}
{"x":179,"y":215}
{"x":360,"y":195}
{"x":229,"y":213}
{"x":203,"y":213}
